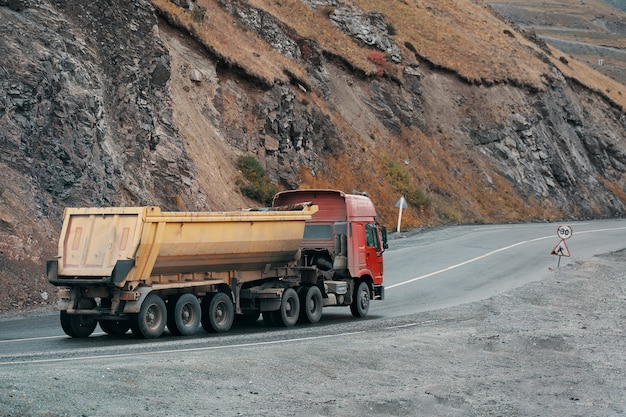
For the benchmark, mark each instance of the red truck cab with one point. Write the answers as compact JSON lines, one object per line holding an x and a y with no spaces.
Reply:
{"x":343,"y":238}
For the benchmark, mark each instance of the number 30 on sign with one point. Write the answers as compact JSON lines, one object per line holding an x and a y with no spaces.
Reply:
{"x":564,"y":232}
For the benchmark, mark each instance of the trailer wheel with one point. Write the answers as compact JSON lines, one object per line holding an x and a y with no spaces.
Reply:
{"x":218,"y":313}
{"x":79,"y":325}
{"x":149,"y":323}
{"x":361,"y":300}
{"x":289,"y":308}
{"x":115,"y":327}
{"x":183,"y":318}
{"x":311,"y":304}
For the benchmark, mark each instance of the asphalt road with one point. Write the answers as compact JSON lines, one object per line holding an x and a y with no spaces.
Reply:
{"x":423,"y":343}
{"x":424,"y":271}
{"x":455,"y":265}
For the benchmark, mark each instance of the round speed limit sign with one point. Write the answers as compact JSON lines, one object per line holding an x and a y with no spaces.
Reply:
{"x":564,"y":232}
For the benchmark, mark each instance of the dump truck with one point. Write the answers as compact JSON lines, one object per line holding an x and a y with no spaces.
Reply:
{"x":143,"y":269}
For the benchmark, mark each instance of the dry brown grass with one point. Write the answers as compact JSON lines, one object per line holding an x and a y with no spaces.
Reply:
{"x":232,"y":44}
{"x":590,"y":78}
{"x":315,"y":25}
{"x":617,"y":188}
{"x":461,"y":36}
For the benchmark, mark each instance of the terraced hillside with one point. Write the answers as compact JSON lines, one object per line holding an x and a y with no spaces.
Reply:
{"x":592,"y":31}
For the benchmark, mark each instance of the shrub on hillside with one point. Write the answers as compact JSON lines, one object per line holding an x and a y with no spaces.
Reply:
{"x":257,"y":184}
{"x":401,"y":182}
{"x":378,"y":58}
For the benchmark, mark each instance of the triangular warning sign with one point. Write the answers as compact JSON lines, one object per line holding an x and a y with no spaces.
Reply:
{"x":561,"y":249}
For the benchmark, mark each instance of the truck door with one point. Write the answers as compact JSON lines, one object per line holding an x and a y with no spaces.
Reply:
{"x":374,"y":252}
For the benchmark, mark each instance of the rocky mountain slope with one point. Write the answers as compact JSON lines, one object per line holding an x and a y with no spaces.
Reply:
{"x":151,"y":103}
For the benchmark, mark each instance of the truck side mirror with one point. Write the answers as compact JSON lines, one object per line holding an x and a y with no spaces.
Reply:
{"x":383,"y":232}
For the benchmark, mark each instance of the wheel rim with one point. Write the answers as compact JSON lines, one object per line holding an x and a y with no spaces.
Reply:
{"x":217,"y":313}
{"x":220,"y":314}
{"x":361,"y":302}
{"x":289,"y":308}
{"x":187,"y":314}
{"x":314,"y":305}
{"x":364,"y":300}
{"x":154,"y":317}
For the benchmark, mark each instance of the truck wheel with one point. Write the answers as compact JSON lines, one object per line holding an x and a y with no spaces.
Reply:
{"x":218,"y":313}
{"x":311,"y":304}
{"x":289,"y":308}
{"x":115,"y":327}
{"x":184,"y":318}
{"x":79,"y":325}
{"x":149,"y":323}
{"x":66,"y":324}
{"x":361,"y":300}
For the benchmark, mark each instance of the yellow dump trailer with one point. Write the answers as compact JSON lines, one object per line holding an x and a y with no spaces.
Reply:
{"x":143,"y":269}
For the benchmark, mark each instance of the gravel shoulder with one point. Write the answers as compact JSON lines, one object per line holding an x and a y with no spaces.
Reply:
{"x":552,"y":347}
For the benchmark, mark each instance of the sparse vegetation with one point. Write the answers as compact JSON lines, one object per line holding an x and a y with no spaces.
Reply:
{"x":197,"y":14}
{"x":178,"y":201}
{"x":255,"y":184}
{"x":378,"y":58}
{"x":231,"y":43}
{"x":458,"y":36}
{"x":401,"y":182}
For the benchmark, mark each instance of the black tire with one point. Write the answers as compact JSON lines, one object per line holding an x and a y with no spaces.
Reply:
{"x":289,"y":311}
{"x":311,"y":304}
{"x":184,"y":315}
{"x":218,"y":313}
{"x":66,"y":324}
{"x":150,"y":322}
{"x":171,"y":325}
{"x":115,"y":327}
{"x":79,"y":325}
{"x":361,"y":300}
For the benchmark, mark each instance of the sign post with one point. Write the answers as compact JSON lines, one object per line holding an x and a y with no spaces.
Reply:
{"x":562,"y":232}
{"x":400,"y":204}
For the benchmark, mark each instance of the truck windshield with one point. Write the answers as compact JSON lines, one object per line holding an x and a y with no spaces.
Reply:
{"x":317,"y":232}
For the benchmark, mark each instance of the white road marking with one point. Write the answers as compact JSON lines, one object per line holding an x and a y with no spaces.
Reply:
{"x":30,"y":339}
{"x":198,"y":349}
{"x":451,"y":267}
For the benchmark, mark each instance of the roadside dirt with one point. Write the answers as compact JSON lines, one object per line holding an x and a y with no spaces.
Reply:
{"x":552,"y":347}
